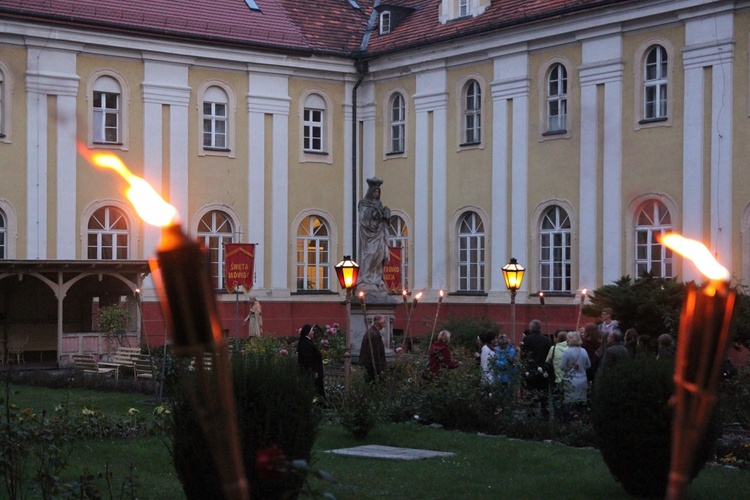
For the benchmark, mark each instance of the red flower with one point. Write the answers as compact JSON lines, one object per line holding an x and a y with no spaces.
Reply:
{"x":270,"y":462}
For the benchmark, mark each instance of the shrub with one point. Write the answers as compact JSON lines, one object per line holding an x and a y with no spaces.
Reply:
{"x":632,"y":420}
{"x":464,"y":330}
{"x":275,"y":411}
{"x":735,"y":398}
{"x":361,"y":410}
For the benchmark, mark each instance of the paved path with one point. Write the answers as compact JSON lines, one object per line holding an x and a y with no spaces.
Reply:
{"x":389,"y":452}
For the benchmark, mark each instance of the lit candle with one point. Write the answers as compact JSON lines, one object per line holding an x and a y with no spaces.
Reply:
{"x":701,"y":346}
{"x":541,"y":298}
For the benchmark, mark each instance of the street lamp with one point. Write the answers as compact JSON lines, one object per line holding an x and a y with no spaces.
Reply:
{"x":347,"y":271}
{"x":513,"y":275}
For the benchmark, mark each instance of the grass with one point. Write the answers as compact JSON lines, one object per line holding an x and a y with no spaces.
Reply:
{"x":483,"y":467}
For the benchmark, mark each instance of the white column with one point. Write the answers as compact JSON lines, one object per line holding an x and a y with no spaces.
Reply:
{"x":612,"y":181}
{"x":439,"y":198}
{"x":704,"y":49}
{"x":430,"y":99}
{"x":510,"y":94}
{"x":279,"y":203}
{"x":692,"y":163}
{"x":66,"y":177}
{"x":152,"y":162}
{"x":267,"y":96}
{"x":36,"y":172}
{"x":588,"y":261}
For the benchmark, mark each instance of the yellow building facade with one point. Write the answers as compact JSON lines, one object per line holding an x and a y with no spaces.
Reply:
{"x":568,"y":142}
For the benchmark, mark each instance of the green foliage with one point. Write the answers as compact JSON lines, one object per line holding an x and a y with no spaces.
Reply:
{"x":734,"y":394}
{"x":361,"y":410}
{"x":633,"y":424}
{"x":113,"y":322}
{"x":464,"y":330}
{"x":741,"y":326}
{"x":275,"y":411}
{"x":649,"y":304}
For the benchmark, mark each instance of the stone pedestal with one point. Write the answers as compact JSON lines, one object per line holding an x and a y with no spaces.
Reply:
{"x":385,"y":305}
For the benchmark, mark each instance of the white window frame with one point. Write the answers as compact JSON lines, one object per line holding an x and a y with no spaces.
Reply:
{"x":656,"y":221}
{"x":397,"y":127}
{"x":316,"y":231}
{"x":3,"y":235}
{"x":108,"y":217}
{"x":557,"y":96}
{"x":215,"y":228}
{"x":472,"y":96}
{"x":385,"y":22}
{"x":110,"y":82}
{"x":398,"y":237}
{"x":316,"y":100}
{"x":655,"y":81}
{"x":555,"y":263}
{"x":6,"y":102}
{"x":464,"y":8}
{"x":665,"y":82}
{"x":215,"y":92}
{"x":472,"y":252}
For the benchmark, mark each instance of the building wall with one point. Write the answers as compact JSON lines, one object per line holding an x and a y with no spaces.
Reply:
{"x":600,"y":169}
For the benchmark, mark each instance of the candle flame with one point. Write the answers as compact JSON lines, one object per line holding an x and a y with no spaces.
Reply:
{"x":696,"y":252}
{"x":150,"y":206}
{"x":361,"y":294}
{"x":419,"y":296}
{"x":583,"y":292}
{"x":441,"y":294}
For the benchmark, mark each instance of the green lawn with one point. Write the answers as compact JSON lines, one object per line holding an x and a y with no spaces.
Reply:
{"x":483,"y":467}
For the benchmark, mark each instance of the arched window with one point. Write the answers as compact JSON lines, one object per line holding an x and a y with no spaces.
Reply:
{"x":652,"y":220}
{"x":655,"y":83}
{"x":313,"y":254}
{"x":3,"y":236}
{"x":554,"y":251}
{"x":106,"y":108}
{"x":108,"y":236}
{"x":215,"y":229}
{"x":215,"y":118}
{"x":557,"y":98}
{"x":313,"y":128}
{"x":6,"y":85}
{"x":398,"y":237}
{"x":398,"y":123}
{"x":472,"y":113}
{"x":471,"y":256}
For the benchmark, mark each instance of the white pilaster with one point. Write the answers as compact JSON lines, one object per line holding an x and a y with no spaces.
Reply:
{"x":588,"y":260}
{"x":267,"y":95}
{"x":430,"y":99}
{"x":510,"y":91}
{"x":279,"y":202}
{"x":66,"y":177}
{"x":612,"y":181}
{"x":692,"y":162}
{"x":721,"y":159}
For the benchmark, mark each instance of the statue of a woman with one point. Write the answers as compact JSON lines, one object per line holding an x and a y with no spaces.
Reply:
{"x":373,"y":237}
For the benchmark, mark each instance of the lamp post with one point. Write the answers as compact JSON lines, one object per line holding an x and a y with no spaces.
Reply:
{"x":513,"y":275}
{"x":347,"y":271}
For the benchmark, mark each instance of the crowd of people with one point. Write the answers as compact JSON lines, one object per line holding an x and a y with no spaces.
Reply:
{"x":563,"y":366}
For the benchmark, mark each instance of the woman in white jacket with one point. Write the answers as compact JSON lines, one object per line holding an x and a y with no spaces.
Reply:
{"x":573,"y":365}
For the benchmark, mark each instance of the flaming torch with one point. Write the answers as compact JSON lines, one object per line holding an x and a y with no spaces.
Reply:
{"x":434,"y":323}
{"x":182,"y":279}
{"x":701,"y":346}
{"x":410,"y":310}
{"x":580,"y":307}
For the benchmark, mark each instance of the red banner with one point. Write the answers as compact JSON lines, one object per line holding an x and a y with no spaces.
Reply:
{"x":392,"y":271}
{"x":238,"y":266}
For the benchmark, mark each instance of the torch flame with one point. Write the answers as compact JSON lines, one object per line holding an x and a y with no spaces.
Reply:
{"x":419,"y":296}
{"x":697,"y":253}
{"x":147,"y":202}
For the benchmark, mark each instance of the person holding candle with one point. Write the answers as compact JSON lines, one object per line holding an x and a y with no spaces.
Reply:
{"x":372,"y":350}
{"x":310,"y":359}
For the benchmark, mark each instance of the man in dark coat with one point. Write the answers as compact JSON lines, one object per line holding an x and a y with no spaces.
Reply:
{"x":534,"y":349}
{"x":372,"y":350}
{"x":615,"y":353}
{"x":310,"y":359}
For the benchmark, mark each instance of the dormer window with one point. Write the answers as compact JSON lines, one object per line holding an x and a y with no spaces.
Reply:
{"x":385,"y":22}
{"x":453,"y":10}
{"x":463,"y":8}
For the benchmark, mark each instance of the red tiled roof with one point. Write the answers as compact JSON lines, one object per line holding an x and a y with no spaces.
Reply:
{"x":319,"y":26}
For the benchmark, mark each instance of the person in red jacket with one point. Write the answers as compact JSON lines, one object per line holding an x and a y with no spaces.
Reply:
{"x":440,"y":354}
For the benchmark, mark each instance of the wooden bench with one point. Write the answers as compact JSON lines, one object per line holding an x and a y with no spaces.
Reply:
{"x":143,"y":366}
{"x":88,"y":364}
{"x":122,"y":358}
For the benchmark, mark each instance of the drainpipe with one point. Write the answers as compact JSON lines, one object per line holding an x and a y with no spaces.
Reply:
{"x":362,"y":69}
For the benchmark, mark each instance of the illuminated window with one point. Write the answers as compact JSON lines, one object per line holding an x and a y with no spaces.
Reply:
{"x":471,"y":258}
{"x":554,"y":251}
{"x":215,"y":230}
{"x":313,"y":255}
{"x":652,"y":220}
{"x":108,"y":236}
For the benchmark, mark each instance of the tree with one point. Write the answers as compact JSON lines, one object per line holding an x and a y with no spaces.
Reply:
{"x":113,"y":322}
